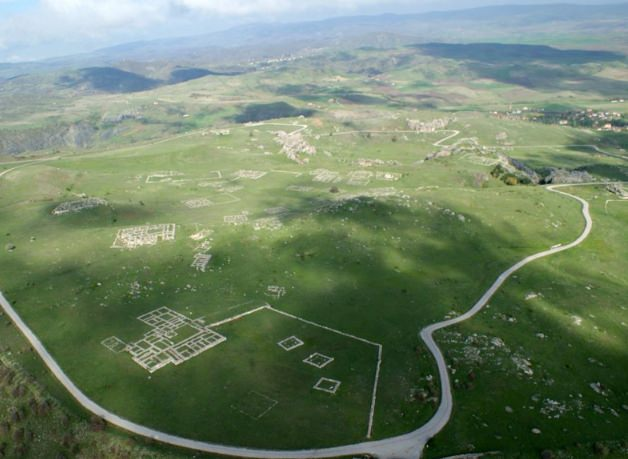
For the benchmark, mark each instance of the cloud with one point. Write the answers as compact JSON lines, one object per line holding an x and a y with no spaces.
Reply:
{"x":264,"y":7}
{"x":107,"y":14}
{"x":85,"y":24}
{"x":98,"y":15}
{"x":81,"y":23}
{"x":62,"y":26}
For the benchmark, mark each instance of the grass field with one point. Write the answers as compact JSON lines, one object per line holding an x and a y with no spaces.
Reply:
{"x":407,"y":260}
{"x":376,"y":250}
{"x":576,"y":324}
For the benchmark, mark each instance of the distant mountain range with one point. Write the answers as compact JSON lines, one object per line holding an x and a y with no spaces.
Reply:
{"x":524,"y":24}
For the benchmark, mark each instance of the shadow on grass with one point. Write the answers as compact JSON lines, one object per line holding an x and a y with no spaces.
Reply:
{"x":108,"y":79}
{"x":379,"y":270}
{"x":315,"y":93}
{"x":498,"y":53}
{"x":611,"y":165}
{"x":603,"y":139}
{"x":275,"y":110}
{"x":535,"y":67}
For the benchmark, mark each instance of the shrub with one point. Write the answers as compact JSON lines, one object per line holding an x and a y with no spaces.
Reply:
{"x":97,"y":424}
{"x":510,"y":180}
{"x":600,"y":449}
{"x":498,"y":171}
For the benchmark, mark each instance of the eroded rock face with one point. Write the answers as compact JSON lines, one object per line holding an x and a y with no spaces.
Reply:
{"x":78,"y":135}
{"x":428,"y":126}
{"x":524,"y":169}
{"x":554,"y":176}
{"x":559,"y":176}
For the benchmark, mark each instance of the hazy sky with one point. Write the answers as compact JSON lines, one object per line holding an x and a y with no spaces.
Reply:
{"x":33,"y":29}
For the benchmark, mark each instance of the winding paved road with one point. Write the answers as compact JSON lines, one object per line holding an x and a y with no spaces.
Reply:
{"x":408,"y":446}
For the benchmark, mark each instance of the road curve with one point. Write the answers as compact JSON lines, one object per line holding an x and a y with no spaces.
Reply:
{"x":407,"y":446}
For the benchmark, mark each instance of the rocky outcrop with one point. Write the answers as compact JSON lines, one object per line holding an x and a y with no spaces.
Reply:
{"x":522,"y":168}
{"x":445,"y":153}
{"x":428,"y":126}
{"x":293,"y":145}
{"x":60,"y":136}
{"x":561,"y":176}
{"x":513,"y":171}
{"x":14,"y":142}
{"x":618,"y":190}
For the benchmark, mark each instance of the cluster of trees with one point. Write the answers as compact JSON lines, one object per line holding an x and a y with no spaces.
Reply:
{"x":509,"y":178}
{"x":580,"y":119}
